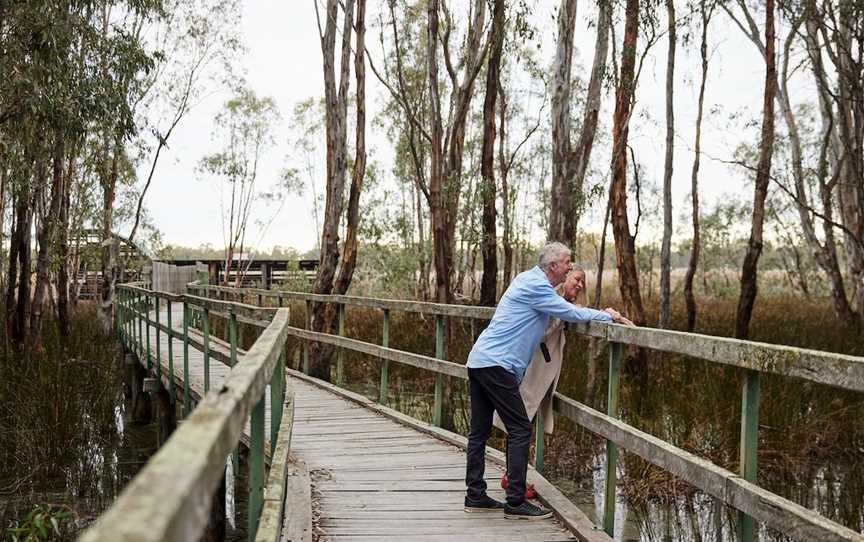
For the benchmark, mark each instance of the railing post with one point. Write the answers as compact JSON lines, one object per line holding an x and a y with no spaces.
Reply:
{"x":385,"y":364}
{"x":186,"y":399}
{"x":158,"y":342}
{"x":232,"y":339}
{"x":439,"y":378}
{"x":308,"y":317}
{"x":206,"y":325}
{"x":611,"y":447}
{"x":171,"y":389}
{"x":232,"y":335}
{"x":256,"y":467}
{"x":140,"y":319}
{"x":340,"y":353}
{"x":539,"y":443}
{"x":147,"y":328}
{"x":749,"y":444}
{"x":277,"y":385}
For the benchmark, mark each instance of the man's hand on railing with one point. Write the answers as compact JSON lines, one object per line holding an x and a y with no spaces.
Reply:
{"x":617,"y":317}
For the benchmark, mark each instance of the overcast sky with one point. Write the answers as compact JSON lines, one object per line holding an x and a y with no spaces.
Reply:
{"x":284,"y":61}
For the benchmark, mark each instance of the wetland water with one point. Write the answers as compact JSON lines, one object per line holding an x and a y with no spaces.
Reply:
{"x":70,"y":445}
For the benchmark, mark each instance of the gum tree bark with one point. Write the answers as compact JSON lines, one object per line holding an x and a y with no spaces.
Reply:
{"x":349,"y":249}
{"x":569,"y":165}
{"x":665,"y":250}
{"x":693,"y":261}
{"x":489,"y":282}
{"x":45,"y":237}
{"x":625,"y":246}
{"x":749,"y":282}
{"x":336,"y":104}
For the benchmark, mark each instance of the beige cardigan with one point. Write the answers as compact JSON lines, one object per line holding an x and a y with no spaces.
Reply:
{"x":541,"y":378}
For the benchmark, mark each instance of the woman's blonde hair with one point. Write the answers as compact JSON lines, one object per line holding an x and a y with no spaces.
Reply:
{"x":576,"y":269}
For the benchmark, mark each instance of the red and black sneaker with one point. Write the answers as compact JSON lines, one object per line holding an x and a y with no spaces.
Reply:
{"x":530,"y":492}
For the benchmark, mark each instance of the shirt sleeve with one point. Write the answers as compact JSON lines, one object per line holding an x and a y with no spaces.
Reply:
{"x":549,"y":302}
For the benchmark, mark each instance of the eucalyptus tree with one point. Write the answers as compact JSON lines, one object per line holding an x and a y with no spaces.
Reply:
{"x":243,"y":132}
{"x":666,"y":248}
{"x":489,"y":283}
{"x":569,"y":163}
{"x":749,"y":285}
{"x":67,"y":68}
{"x":336,"y":106}
{"x":706,"y":10}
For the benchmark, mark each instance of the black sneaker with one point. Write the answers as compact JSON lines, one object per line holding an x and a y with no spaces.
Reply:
{"x":484,"y":504}
{"x":526,"y":510}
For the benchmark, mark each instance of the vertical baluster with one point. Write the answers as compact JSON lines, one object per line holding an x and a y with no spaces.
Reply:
{"x":147,"y":328}
{"x":539,"y":442}
{"x":186,"y":399}
{"x":206,"y":349}
{"x":308,"y":317}
{"x":232,"y":335}
{"x":748,"y":467}
{"x":277,"y":386}
{"x":260,"y":300}
{"x":158,"y":343}
{"x":171,"y":389}
{"x":256,"y":467}
{"x":340,"y":353}
{"x":439,"y":378}
{"x":232,"y":339}
{"x":140,"y":349}
{"x":279,"y":300}
{"x":611,"y":447}
{"x":385,"y":364}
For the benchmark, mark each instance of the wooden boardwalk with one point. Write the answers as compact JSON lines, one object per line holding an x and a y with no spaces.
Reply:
{"x":372,"y":478}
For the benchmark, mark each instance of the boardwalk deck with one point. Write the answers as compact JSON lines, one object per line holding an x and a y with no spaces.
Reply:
{"x":372,"y":478}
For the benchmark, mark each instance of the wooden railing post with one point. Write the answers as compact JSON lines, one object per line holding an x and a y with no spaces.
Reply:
{"x":748,"y":467}
{"x":385,"y":364}
{"x":340,"y":352}
{"x":232,"y":340}
{"x":308,"y":317}
{"x":139,"y":320}
{"x":539,"y":442}
{"x":256,"y":467}
{"x":277,"y":389}
{"x":171,"y":389}
{"x":206,"y":326}
{"x":147,"y":328}
{"x":439,"y":378}
{"x":186,"y":399}
{"x":232,"y":335}
{"x":158,"y":342}
{"x":611,"y":447}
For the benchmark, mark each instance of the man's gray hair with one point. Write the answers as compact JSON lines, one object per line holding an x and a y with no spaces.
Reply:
{"x":551,"y":253}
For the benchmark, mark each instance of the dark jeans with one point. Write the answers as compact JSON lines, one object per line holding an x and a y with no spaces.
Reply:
{"x":491,"y":389}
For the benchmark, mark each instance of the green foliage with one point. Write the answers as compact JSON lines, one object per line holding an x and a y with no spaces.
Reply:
{"x":42,"y":523}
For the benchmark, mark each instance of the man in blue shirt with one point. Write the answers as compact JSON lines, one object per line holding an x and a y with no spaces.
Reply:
{"x":496,"y":365}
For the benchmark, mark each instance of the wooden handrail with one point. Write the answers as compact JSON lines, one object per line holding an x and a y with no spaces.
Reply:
{"x":169,"y":499}
{"x":829,"y":368}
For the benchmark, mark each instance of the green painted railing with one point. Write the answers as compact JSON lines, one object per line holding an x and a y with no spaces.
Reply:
{"x":739,"y":491}
{"x":169,"y":499}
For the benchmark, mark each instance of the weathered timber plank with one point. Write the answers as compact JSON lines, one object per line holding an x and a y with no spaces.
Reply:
{"x":571,"y":516}
{"x":824,"y":367}
{"x":773,"y":510}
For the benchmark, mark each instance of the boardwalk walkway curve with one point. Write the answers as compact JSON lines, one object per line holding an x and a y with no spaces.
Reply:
{"x":354,"y":480}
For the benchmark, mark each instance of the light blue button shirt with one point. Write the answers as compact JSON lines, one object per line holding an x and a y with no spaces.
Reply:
{"x":520,"y":322}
